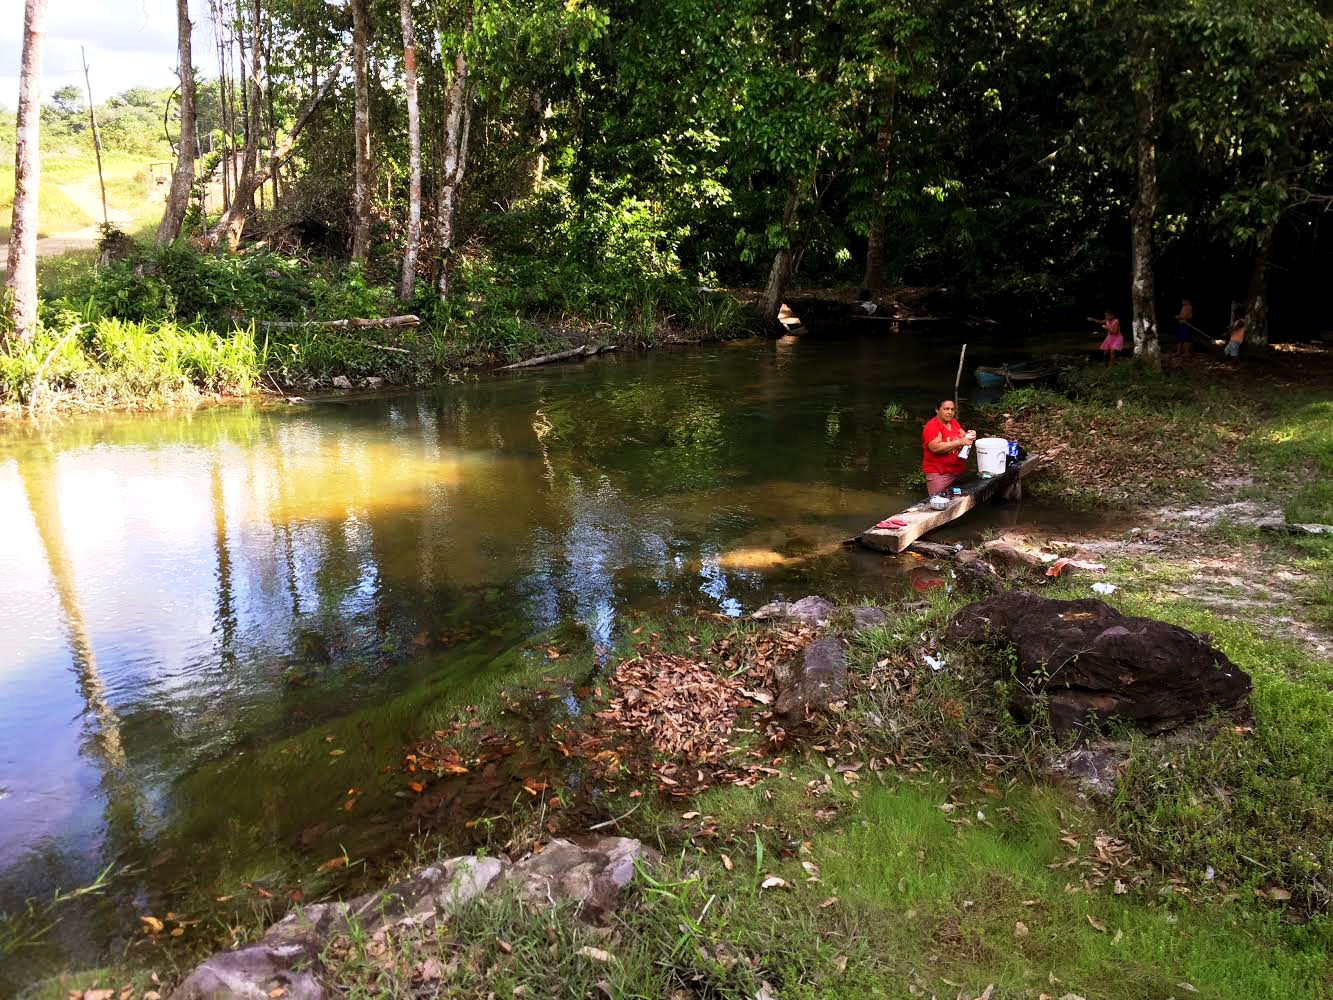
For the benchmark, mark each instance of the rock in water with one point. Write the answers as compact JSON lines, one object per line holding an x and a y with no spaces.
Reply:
{"x":1092,"y":663}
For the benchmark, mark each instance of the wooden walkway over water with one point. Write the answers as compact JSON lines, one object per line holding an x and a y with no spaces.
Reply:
{"x":921,"y":518}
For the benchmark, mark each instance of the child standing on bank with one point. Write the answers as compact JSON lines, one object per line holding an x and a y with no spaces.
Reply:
{"x":1114,"y":342}
{"x":1232,"y":350}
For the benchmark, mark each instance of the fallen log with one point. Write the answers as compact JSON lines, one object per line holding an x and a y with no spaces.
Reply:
{"x":383,"y":323}
{"x":577,"y":352}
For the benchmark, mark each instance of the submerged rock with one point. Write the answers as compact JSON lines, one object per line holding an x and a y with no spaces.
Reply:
{"x":1091,"y":664}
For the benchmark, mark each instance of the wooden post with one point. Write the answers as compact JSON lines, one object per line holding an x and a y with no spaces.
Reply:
{"x":97,"y":138}
{"x":958,"y":410}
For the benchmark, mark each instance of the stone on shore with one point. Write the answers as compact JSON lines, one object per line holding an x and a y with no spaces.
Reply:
{"x":1090,"y":663}
{"x":817,"y":682}
{"x":590,"y":870}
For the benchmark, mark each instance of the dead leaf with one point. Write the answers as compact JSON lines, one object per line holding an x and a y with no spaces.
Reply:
{"x":153,"y":924}
{"x":336,"y":753}
{"x":726,"y":862}
{"x":1097,"y":925}
{"x":416,"y":786}
{"x":596,"y":954}
{"x":763,"y":697}
{"x":278,"y":991}
{"x":98,"y":994}
{"x":1020,"y":929}
{"x":504,"y":946}
{"x":765,"y":992}
{"x":773,"y":882}
{"x":831,"y":901}
{"x":689,"y":815}
{"x":1281,"y":895}
{"x":331,"y":864}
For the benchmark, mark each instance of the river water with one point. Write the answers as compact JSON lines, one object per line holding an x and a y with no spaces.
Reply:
{"x":201,"y":609}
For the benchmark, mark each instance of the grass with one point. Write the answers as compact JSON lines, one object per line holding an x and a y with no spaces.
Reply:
{"x":892,"y":893}
{"x":127,"y":189}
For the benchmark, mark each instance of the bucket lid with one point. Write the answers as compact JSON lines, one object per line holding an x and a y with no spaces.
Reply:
{"x":989,"y":443}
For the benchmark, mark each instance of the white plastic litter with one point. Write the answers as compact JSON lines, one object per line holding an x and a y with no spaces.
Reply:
{"x":1104,"y":588}
{"x":870,"y":307}
{"x":1049,"y":557}
{"x":933,"y":662}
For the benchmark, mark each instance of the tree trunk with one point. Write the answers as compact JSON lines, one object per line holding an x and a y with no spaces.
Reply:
{"x":541,"y":110}
{"x":243,"y":75}
{"x":1141,"y":218}
{"x":252,"y":131}
{"x":780,"y":273}
{"x":873,"y":280}
{"x":1256,"y":313}
{"x":232,"y":222}
{"x":22,"y":281}
{"x":453,"y":155}
{"x":409,"y":277}
{"x":216,"y":13}
{"x":360,"y":43}
{"x":178,"y":197}
{"x":272,"y":121}
{"x":97,"y":136}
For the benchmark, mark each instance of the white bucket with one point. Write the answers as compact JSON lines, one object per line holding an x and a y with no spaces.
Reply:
{"x":991,"y":455}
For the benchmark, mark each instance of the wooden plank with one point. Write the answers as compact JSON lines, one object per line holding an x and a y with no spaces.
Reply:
{"x":922,"y":518}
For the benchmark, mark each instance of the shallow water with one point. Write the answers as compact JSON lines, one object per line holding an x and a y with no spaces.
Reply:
{"x":195,"y":602}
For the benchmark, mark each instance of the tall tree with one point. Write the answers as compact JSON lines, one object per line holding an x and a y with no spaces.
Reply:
{"x":409,"y":276}
{"x":457,"y":113}
{"x":178,"y":197}
{"x":22,"y":281}
{"x":360,"y":66}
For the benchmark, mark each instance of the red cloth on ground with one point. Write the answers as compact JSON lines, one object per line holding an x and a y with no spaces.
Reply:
{"x":940,"y":465}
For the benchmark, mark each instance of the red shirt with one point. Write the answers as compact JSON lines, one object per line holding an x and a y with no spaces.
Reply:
{"x":940,"y":465}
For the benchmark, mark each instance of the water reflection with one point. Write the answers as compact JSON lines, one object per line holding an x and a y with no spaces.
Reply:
{"x":229,"y":585}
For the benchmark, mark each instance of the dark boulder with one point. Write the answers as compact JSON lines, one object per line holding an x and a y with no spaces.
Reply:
{"x":1092,"y":664}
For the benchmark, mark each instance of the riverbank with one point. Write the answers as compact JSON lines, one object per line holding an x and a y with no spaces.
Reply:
{"x":911,"y":842}
{"x":172,"y":327}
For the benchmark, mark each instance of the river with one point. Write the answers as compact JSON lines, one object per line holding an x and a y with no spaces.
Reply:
{"x":201,"y":609}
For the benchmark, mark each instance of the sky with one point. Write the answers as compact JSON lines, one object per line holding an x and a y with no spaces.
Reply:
{"x":129,"y":43}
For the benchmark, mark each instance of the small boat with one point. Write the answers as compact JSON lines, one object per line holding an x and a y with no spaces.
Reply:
{"x":1010,"y":375}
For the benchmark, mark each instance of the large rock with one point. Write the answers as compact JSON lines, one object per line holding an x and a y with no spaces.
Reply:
{"x":816,"y":682}
{"x":593,"y":871}
{"x":1092,"y":663}
{"x":810,"y":610}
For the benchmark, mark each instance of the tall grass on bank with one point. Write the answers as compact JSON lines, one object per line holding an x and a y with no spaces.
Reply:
{"x":111,"y":362}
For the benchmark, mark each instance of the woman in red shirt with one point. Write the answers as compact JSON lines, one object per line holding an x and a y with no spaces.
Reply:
{"x":941,"y":440}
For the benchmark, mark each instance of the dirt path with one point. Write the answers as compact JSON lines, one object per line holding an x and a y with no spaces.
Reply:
{"x":84,"y":193}
{"x":87,"y":198}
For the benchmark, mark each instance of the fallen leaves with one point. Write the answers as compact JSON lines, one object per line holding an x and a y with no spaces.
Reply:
{"x":596,"y":954}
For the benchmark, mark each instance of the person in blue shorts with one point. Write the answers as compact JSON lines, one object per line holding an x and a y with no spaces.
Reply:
{"x":1184,"y":339}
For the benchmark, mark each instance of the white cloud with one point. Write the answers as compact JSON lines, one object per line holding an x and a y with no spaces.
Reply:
{"x":129,"y":43}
